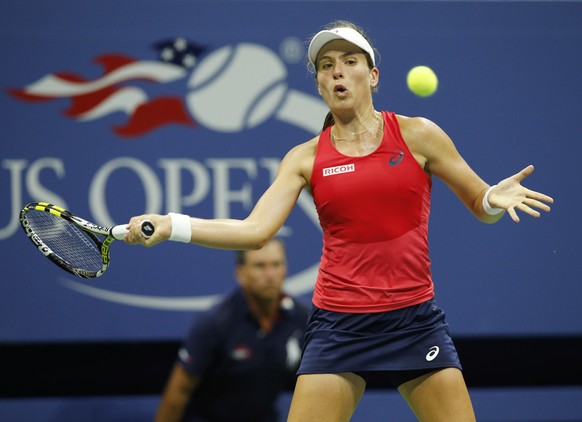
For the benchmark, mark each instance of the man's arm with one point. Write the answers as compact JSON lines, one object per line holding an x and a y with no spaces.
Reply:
{"x":176,"y":395}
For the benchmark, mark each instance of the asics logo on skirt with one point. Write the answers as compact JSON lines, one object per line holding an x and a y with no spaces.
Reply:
{"x":432,"y":353}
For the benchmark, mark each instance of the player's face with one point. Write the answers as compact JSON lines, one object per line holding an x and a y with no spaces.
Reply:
{"x":263,"y":273}
{"x":343,"y":76}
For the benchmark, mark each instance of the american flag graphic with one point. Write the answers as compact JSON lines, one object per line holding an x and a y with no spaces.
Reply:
{"x":116,"y":89}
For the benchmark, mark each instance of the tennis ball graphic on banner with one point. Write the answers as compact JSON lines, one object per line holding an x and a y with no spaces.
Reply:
{"x":236,"y":87}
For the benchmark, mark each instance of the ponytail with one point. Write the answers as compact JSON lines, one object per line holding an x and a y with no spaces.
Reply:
{"x":329,"y":121}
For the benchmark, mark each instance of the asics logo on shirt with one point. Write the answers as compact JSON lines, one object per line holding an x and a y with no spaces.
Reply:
{"x":432,"y":353}
{"x":396,"y":158}
{"x":331,"y":171}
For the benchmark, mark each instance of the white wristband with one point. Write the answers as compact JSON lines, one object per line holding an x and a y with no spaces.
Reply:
{"x":181,"y":228}
{"x":487,"y":206}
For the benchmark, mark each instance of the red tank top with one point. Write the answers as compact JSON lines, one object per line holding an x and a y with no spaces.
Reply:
{"x":374,"y":213}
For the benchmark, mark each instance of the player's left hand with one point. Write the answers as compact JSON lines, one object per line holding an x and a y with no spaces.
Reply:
{"x":512,"y":196}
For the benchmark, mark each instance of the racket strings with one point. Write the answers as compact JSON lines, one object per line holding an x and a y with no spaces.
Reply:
{"x":66,"y":240}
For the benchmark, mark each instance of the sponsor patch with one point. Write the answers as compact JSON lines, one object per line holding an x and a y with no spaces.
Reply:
{"x":346,"y":168}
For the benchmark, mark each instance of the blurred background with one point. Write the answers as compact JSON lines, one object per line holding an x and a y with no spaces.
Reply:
{"x":115,"y":108}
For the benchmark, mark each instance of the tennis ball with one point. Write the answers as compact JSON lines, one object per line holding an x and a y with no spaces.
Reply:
{"x":422,"y":81}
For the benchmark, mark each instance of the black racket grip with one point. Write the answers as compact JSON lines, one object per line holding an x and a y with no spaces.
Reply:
{"x":147,"y":229}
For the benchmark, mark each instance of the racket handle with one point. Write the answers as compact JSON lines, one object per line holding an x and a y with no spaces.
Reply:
{"x":147,"y":230}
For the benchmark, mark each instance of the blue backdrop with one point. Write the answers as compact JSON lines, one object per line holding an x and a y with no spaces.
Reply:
{"x":114,"y":108}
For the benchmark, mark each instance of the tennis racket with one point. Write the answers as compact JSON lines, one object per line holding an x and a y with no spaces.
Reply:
{"x":74,"y":244}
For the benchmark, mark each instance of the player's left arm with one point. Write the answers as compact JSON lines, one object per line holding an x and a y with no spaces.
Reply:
{"x":436,"y":153}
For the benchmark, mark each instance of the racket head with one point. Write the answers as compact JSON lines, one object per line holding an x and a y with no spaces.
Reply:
{"x":69,"y":241}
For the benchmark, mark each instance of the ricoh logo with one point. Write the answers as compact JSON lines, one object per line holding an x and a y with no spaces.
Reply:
{"x":331,"y":171}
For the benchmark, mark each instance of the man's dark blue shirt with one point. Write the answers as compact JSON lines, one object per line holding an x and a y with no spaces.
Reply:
{"x":242,"y":368}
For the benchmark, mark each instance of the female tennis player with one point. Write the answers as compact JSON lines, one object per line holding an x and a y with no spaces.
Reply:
{"x":369,"y":172}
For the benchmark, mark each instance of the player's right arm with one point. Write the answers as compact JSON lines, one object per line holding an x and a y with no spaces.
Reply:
{"x":266,"y":218}
{"x":176,"y":395}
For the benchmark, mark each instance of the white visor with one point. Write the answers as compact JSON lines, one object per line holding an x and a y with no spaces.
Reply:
{"x":348,"y":34}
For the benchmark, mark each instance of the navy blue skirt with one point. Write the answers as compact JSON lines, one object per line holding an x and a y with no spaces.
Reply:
{"x":395,"y":345}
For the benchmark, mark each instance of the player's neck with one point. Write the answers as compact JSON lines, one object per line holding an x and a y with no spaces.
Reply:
{"x":357,"y":129}
{"x":356,"y":121}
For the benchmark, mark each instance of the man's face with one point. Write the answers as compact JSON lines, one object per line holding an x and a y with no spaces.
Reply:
{"x":263,"y":273}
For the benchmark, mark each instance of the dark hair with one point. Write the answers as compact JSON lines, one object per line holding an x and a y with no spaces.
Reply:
{"x":241,"y":256}
{"x":328,"y":121}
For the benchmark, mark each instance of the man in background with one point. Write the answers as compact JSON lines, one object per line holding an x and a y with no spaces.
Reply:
{"x":243,"y":352}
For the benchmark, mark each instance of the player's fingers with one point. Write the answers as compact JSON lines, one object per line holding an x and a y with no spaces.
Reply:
{"x":533,"y":203}
{"x":135,"y":235}
{"x":540,"y":197}
{"x":513,"y":214}
{"x":134,"y":220}
{"x":528,"y":210}
{"x":524,"y":173}
{"x":129,"y":237}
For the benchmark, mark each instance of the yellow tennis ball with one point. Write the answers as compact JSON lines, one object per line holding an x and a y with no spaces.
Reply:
{"x":422,"y":81}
